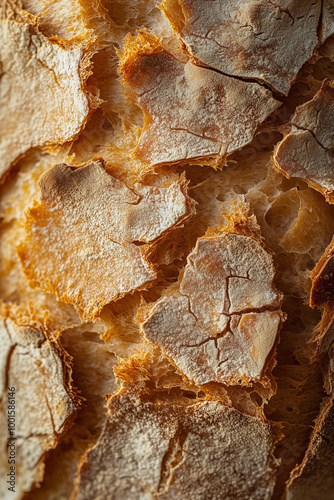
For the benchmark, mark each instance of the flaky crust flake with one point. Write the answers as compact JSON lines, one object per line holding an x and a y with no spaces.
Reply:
{"x":307,"y":151}
{"x":42,"y":100}
{"x":43,"y":400}
{"x":190,"y":112}
{"x":200,"y":451}
{"x":221,"y":321}
{"x":314,"y":477}
{"x":268,"y":41}
{"x":89,"y":238}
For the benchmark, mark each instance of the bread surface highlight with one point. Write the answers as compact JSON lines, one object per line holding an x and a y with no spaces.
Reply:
{"x":166,"y":248}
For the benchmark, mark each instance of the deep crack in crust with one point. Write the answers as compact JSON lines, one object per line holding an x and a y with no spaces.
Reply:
{"x":190,"y":113}
{"x":199,"y":451}
{"x":47,"y":82}
{"x":254,"y":39}
{"x":95,"y":234}
{"x":308,"y":150}
{"x":45,"y":402}
{"x":220,"y":322}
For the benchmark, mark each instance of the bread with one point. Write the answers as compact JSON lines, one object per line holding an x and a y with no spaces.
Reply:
{"x":166,"y":227}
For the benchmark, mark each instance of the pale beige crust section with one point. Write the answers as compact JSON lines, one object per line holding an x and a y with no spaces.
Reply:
{"x":86,"y":238}
{"x":42,"y":101}
{"x":308,"y":150}
{"x":192,"y":113}
{"x":221,"y":321}
{"x":43,"y":402}
{"x":262,"y":39}
{"x":314,"y":478}
{"x":200,"y":451}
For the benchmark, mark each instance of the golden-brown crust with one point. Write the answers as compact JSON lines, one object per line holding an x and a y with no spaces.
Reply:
{"x":89,"y":223}
{"x":195,"y":450}
{"x":48,"y":82}
{"x":220,"y":322}
{"x":282,"y":218}
{"x":322,"y":290}
{"x":36,"y":381}
{"x":307,"y":151}
{"x":189,"y":111}
{"x":313,"y":479}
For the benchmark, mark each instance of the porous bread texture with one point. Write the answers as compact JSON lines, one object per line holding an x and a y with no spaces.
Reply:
{"x":220,"y":323}
{"x":307,"y":151}
{"x":264,"y":40}
{"x":35,"y":376}
{"x":314,"y":477}
{"x":68,"y":21}
{"x":181,"y":450}
{"x":190,"y":113}
{"x":47,"y":82}
{"x":90,"y":224}
{"x":296,"y":224}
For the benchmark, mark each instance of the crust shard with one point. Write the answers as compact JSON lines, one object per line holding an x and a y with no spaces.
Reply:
{"x":41,"y":84}
{"x":265,"y":40}
{"x":82,"y":238}
{"x":44,"y":401}
{"x":327,"y":28}
{"x":221,"y":322}
{"x":190,"y":113}
{"x":200,"y":451}
{"x":322,"y":296}
{"x":314,"y":478}
{"x":308,"y":150}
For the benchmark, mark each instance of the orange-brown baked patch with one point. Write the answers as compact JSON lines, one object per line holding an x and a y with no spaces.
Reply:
{"x":88,"y":240}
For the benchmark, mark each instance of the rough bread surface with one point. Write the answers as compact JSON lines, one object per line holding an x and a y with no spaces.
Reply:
{"x":205,"y":450}
{"x":307,"y":151}
{"x":221,"y":322}
{"x":307,"y":480}
{"x":166,"y":249}
{"x":41,"y":84}
{"x":264,"y":40}
{"x":33,"y":366}
{"x":192,"y":113}
{"x":87,"y":226}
